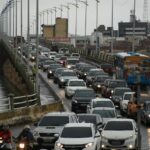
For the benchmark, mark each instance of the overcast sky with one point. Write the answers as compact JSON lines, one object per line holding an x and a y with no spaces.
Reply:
{"x":121,"y":12}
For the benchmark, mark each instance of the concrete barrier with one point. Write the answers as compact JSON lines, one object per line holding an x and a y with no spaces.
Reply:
{"x":29,"y":114}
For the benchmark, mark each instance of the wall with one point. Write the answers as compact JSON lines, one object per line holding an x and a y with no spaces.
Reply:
{"x":13,"y":77}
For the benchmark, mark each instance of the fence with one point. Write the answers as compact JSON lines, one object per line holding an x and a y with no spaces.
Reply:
{"x":13,"y":103}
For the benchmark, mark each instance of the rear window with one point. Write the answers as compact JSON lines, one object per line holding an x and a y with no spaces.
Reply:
{"x":103,"y":104}
{"x":54,"y":121}
{"x":76,"y":132}
{"x":87,"y":119}
{"x":84,"y":93}
{"x":119,"y":125}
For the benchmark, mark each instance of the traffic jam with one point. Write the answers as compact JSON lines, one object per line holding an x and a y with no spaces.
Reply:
{"x":102,"y":103}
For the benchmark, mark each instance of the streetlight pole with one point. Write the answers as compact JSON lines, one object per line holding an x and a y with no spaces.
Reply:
{"x":112,"y":27}
{"x":21,"y":29}
{"x":55,"y":12}
{"x":28,"y":34}
{"x":133,"y":42}
{"x":37,"y":42}
{"x":97,"y":1}
{"x":76,"y":5}
{"x":85,"y":38}
{"x":10,"y":18}
{"x":16,"y":24}
{"x":67,"y":6}
{"x":47,"y":16}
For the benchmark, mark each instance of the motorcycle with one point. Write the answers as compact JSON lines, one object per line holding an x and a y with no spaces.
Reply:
{"x":24,"y":145}
{"x":3,"y":144}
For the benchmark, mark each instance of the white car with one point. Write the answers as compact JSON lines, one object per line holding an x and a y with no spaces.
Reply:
{"x":100,"y":102}
{"x":128,"y":96}
{"x":73,"y":85}
{"x":78,"y":136}
{"x":71,"y":62}
{"x":49,"y":125}
{"x":52,"y":55}
{"x":119,"y":134}
{"x":106,"y":113}
{"x":75,"y":55}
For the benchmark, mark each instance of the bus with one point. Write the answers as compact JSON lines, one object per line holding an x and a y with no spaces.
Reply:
{"x":133,"y":66}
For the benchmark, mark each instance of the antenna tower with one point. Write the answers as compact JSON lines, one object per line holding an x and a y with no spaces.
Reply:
{"x":145,"y":11}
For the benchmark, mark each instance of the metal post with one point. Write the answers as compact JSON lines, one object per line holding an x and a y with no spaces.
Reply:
{"x":13,"y":24}
{"x":37,"y":42}
{"x":47,"y":17}
{"x":16,"y":27}
{"x":133,"y":42}
{"x":97,"y":26}
{"x":21,"y":30}
{"x":85,"y":40}
{"x":139,"y":110}
{"x":51,"y":17}
{"x":28,"y":34}
{"x":43,"y":17}
{"x":10,"y":19}
{"x":112,"y":26}
{"x":11,"y":98}
{"x":76,"y":24}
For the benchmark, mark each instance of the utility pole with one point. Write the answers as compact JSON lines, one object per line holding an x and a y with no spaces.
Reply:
{"x":21,"y":30}
{"x":112,"y":26}
{"x":133,"y":42}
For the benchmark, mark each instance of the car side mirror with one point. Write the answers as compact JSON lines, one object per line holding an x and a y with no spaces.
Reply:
{"x":56,"y":135}
{"x":97,"y":135}
{"x":88,"y":107}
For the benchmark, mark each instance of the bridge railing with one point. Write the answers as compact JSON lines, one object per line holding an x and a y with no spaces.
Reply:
{"x":16,"y":60}
{"x":13,"y":103}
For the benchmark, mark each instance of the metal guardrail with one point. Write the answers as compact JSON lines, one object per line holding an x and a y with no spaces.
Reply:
{"x":14,"y":103}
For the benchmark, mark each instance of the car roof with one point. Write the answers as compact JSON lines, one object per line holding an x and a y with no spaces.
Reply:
{"x":121,"y":119}
{"x":60,"y":114}
{"x":129,"y":93}
{"x":103,"y":108}
{"x":76,"y":80}
{"x":101,"y":99}
{"x":82,"y":124}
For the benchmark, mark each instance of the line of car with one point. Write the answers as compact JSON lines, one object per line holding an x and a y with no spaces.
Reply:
{"x":93,"y":123}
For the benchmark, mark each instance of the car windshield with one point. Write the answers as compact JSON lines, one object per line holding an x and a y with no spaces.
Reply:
{"x":102,"y":79}
{"x":68,"y":73}
{"x":120,"y":92}
{"x":54,"y":121}
{"x":127,"y":96}
{"x":113,"y":84}
{"x":76,"y":132}
{"x":75,"y":54}
{"x":84,"y":93}
{"x":105,"y":113}
{"x":102,"y":104}
{"x":63,"y":58}
{"x":55,"y":66}
{"x":86,"y":69}
{"x":96,"y":72}
{"x":76,"y":83}
{"x":119,"y":125}
{"x":72,"y":61}
{"x":87,"y":119}
{"x":48,"y":62}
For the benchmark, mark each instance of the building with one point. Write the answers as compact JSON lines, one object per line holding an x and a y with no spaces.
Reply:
{"x":126,"y":28}
{"x":48,"y":31}
{"x":61,"y":28}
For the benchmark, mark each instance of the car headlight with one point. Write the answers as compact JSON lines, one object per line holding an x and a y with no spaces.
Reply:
{"x":85,"y":74}
{"x":62,"y":80}
{"x":112,"y":91}
{"x":33,"y":57}
{"x":98,"y":86}
{"x":89,"y":144}
{"x":75,"y":101}
{"x":68,"y":66}
{"x":50,"y":72}
{"x":148,"y":115}
{"x":59,"y":145}
{"x":70,"y":90}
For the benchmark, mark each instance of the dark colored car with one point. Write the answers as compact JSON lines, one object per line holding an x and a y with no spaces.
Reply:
{"x":98,"y":82}
{"x":84,"y":70}
{"x":108,"y":68}
{"x":65,"y":76}
{"x":145,"y":113}
{"x":81,"y":99}
{"x":91,"y":75}
{"x":57,"y":73}
{"x":117,"y":94}
{"x":41,"y":61}
{"x":46,"y":64}
{"x":91,"y":118}
{"x":114,"y":84}
{"x":51,"y":69}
